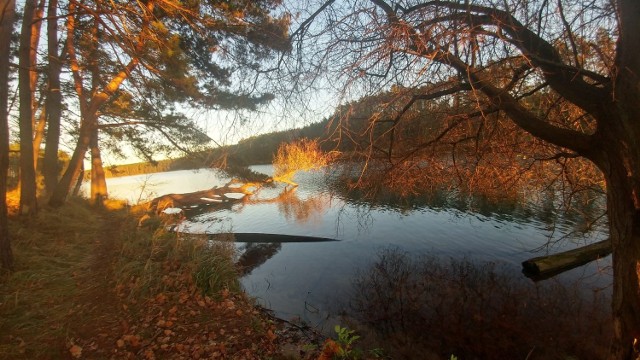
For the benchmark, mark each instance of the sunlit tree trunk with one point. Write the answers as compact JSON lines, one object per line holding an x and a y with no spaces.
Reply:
{"x":98,"y":181}
{"x":79,"y":181}
{"x":7,"y":15}
{"x":28,"y":200}
{"x":74,"y":168}
{"x":53,"y":104}
{"x":38,"y":136}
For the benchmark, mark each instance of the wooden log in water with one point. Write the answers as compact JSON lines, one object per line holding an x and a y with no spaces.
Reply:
{"x":544,"y":267}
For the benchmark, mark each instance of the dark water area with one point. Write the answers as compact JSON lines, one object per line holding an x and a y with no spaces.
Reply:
{"x":443,"y":264}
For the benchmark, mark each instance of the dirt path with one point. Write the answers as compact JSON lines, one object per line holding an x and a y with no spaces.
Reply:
{"x":177,"y":323}
{"x":99,"y":321}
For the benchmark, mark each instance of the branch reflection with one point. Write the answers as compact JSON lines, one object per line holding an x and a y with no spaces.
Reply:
{"x":476,"y":311}
{"x":255,"y":254}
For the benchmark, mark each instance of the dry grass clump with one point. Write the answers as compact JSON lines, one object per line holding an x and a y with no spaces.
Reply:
{"x":150,"y":255}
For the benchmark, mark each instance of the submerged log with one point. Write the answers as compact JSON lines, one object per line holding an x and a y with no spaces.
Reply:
{"x":544,"y":267}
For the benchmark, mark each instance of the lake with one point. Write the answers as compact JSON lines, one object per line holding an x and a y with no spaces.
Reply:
{"x":314,"y":281}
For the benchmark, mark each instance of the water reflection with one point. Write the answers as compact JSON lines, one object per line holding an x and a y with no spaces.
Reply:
{"x":288,"y":276}
{"x":257,"y":248}
{"x":255,"y":254}
{"x":581,"y":214}
{"x":475,"y":310}
{"x":575,"y":219}
{"x":293,"y":208}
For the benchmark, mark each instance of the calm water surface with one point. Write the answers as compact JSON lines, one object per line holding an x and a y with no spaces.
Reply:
{"x":311,"y":280}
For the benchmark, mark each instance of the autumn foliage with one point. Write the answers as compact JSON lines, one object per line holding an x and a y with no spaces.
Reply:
{"x":300,"y":155}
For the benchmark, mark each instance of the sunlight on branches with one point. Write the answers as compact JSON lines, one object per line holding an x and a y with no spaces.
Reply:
{"x":300,"y":155}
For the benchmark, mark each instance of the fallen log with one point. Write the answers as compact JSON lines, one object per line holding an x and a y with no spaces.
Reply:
{"x":544,"y":267}
{"x":216,"y":195}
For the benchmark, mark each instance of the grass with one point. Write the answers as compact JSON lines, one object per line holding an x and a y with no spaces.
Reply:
{"x":51,"y":253}
{"x":148,"y":254}
{"x":61,"y":259}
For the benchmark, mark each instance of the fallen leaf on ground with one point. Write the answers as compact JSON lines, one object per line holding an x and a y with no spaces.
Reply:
{"x":271,"y":336}
{"x":76,"y":351}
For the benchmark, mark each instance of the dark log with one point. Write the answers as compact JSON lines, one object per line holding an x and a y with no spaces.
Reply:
{"x":273,"y":238}
{"x":544,"y":267}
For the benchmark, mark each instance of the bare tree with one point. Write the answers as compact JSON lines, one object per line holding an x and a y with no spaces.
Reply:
{"x":565,"y":73}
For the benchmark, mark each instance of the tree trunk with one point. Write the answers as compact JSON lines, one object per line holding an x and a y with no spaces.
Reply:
{"x":38,"y":135}
{"x":63,"y":187}
{"x":88,"y":112}
{"x":38,"y":126}
{"x":7,"y":15}
{"x":98,"y":181}
{"x":620,"y":164}
{"x":624,"y":228}
{"x":28,"y":201}
{"x":79,"y":180}
{"x":619,"y":161}
{"x":53,"y":104}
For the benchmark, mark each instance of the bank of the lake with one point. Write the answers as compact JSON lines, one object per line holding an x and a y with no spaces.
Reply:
{"x":97,"y":283}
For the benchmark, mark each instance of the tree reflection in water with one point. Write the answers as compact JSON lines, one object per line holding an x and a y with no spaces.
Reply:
{"x":475,"y":311}
{"x":302,"y":210}
{"x":293,"y":208}
{"x":255,"y":254}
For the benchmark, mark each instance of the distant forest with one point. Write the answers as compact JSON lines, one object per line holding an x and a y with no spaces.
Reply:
{"x":254,"y":150}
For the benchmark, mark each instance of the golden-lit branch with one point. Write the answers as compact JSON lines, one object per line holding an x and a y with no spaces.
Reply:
{"x":301,"y":155}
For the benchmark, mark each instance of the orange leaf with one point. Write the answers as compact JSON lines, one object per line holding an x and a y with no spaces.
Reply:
{"x":330,"y":349}
{"x":160,"y":298}
{"x":76,"y":351}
